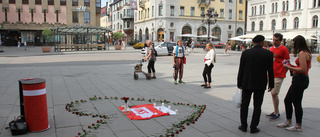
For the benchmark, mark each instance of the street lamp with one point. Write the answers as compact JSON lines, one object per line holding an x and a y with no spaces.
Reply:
{"x":206,"y":19}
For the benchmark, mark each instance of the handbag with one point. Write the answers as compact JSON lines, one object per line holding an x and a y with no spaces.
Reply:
{"x":184,"y":60}
{"x":237,"y":98}
{"x":18,"y":126}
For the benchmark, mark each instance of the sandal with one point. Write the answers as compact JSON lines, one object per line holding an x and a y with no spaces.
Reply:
{"x":203,"y":85}
{"x":154,"y":77}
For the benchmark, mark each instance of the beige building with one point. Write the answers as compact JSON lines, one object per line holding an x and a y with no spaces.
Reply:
{"x":24,"y":20}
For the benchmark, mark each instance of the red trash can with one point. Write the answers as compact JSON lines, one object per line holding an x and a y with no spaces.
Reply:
{"x":35,"y":104}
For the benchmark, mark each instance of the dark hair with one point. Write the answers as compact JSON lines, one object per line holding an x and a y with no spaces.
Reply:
{"x":299,"y":44}
{"x":278,"y":35}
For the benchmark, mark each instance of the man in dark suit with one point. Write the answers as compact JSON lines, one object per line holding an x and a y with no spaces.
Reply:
{"x":255,"y":66}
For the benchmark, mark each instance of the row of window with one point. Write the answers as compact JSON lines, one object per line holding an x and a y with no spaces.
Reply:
{"x":62,"y":2}
{"x":284,"y":24}
{"x":75,"y":17}
{"x":145,"y":13}
{"x":31,"y":12}
{"x":285,"y":7}
{"x":119,"y":25}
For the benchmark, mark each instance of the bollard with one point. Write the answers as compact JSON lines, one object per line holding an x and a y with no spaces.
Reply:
{"x":35,"y":104}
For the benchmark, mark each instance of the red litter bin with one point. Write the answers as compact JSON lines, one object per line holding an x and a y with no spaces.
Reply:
{"x":35,"y":104}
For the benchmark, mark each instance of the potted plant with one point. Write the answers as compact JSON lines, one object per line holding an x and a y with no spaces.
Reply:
{"x":46,"y":34}
{"x":117,"y":36}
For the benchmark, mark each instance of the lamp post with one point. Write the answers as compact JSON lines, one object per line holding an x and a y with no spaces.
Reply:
{"x":206,"y":19}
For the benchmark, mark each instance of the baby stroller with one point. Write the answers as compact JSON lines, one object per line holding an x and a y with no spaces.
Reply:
{"x":138,"y":69}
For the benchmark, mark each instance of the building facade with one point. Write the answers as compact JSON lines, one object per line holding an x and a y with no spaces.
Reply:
{"x":290,"y":17}
{"x":119,"y":17}
{"x":164,"y":20}
{"x":24,"y":20}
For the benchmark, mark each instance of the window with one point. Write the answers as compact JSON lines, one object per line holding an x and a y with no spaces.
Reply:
{"x":181,"y":11}
{"x":12,"y":1}
{"x":260,"y":10}
{"x":315,"y":21}
{"x":287,"y":3}
{"x":252,"y":11}
{"x":273,"y":24}
{"x":62,"y":2}
{"x":252,"y":26}
{"x":57,"y":15}
{"x":230,"y":14}
{"x":19,"y":15}
{"x":118,"y":26}
{"x":139,"y":15}
{"x":135,"y":16}
{"x":221,"y":0}
{"x":148,"y":13}
{"x":44,"y":15}
{"x":38,"y":2}
{"x":32,"y":11}
{"x":124,"y":12}
{"x":118,"y":15}
{"x":239,"y":32}
{"x":221,"y":13}
{"x":192,"y":11}
{"x":283,"y":6}
{"x":276,"y":7}
{"x":75,"y":17}
{"x":74,"y":2}
{"x":272,"y":8}
{"x":230,"y":1}
{"x":240,"y":14}
{"x":297,"y":4}
{"x":98,"y":3}
{"x":202,"y":10}
{"x":152,"y":10}
{"x":87,"y":3}
{"x":86,"y":17}
{"x":160,"y":11}
{"x":296,"y":23}
{"x":284,"y":24}
{"x":129,"y":12}
{"x":128,"y":24}
{"x":261,"y":26}
{"x":264,"y":9}
{"x":25,"y":1}
{"x":171,"y":10}
{"x":5,"y":14}
{"x":50,"y":2}
{"x":240,"y":1}
{"x":217,"y":32}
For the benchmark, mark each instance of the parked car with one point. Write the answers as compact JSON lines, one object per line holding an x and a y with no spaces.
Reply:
{"x":162,"y":48}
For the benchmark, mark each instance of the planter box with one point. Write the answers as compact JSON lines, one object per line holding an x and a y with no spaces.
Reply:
{"x":117,"y":47}
{"x":46,"y":49}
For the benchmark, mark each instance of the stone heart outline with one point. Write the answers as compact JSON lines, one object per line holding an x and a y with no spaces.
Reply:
{"x":74,"y":108}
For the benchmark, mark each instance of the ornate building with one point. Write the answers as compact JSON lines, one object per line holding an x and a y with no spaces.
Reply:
{"x":169,"y":20}
{"x":24,"y":20}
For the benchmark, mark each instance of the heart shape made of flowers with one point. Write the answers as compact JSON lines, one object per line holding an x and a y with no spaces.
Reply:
{"x":84,"y":108}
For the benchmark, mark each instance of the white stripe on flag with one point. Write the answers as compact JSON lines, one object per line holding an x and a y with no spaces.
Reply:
{"x":34,"y":92}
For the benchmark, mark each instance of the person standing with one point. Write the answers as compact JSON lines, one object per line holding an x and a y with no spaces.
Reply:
{"x":152,"y":58}
{"x":300,"y":82}
{"x":255,"y":65}
{"x":25,"y":45}
{"x":192,"y":45}
{"x":19,"y":43}
{"x":228,"y":47}
{"x":209,"y":59}
{"x":280,"y":54}
{"x":178,"y":61}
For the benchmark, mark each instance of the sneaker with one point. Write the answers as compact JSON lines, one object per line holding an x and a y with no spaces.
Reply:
{"x":294,"y":128}
{"x":274,"y":117}
{"x":175,"y":82}
{"x":181,"y":82}
{"x":270,"y":115}
{"x":284,"y":124}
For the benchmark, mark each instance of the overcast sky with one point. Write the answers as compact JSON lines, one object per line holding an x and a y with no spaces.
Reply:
{"x":103,"y":3}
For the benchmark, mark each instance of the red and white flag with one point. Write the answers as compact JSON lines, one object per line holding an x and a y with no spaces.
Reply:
{"x":147,"y":111}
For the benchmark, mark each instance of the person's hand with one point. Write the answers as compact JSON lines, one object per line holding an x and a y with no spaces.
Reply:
{"x":174,"y":63}
{"x":269,"y":89}
{"x":286,"y":66}
{"x":145,"y":58}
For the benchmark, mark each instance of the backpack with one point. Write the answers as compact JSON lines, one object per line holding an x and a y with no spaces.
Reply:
{"x":155,"y":52}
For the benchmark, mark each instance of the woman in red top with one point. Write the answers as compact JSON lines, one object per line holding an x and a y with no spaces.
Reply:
{"x":300,"y":82}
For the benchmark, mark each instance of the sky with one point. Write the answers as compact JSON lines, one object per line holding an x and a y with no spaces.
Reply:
{"x":103,"y":3}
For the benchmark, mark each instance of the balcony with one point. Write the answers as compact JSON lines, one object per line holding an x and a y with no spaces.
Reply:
{"x":200,"y":2}
{"x":142,"y":4}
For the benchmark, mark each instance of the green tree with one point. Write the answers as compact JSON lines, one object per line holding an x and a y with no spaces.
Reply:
{"x":47,"y":34}
{"x":118,"y":35}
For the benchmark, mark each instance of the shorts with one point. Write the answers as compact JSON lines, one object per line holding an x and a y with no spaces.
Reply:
{"x":277,"y":85}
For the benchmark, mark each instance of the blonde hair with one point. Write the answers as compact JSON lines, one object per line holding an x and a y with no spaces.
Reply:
{"x":211,"y":45}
